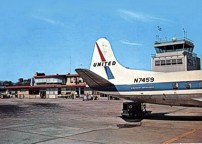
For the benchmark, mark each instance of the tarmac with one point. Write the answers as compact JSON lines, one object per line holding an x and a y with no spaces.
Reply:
{"x":50,"y":121}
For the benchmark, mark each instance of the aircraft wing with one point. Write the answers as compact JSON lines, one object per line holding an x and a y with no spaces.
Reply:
{"x":92,"y":79}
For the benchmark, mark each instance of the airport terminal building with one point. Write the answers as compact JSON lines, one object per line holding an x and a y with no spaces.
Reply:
{"x":50,"y":86}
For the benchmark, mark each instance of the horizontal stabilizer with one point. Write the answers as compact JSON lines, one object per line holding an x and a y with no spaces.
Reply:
{"x":92,"y":79}
{"x":198,"y":99}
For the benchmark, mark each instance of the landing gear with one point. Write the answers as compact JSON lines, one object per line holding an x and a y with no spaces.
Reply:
{"x":134,"y":110}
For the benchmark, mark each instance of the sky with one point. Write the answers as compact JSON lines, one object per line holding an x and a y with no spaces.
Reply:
{"x":57,"y":36}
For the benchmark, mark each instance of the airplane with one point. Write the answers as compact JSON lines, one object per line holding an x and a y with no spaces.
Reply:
{"x":108,"y":76}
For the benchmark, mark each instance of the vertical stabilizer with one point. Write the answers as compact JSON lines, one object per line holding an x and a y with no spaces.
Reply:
{"x":103,"y":60}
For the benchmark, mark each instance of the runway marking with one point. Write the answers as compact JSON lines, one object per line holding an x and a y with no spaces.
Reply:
{"x":182,"y":135}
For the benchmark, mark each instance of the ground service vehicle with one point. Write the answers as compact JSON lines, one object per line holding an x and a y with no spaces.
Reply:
{"x":133,"y":109}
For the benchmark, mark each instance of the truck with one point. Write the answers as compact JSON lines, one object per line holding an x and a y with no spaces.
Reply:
{"x":133,"y":109}
{"x":5,"y":95}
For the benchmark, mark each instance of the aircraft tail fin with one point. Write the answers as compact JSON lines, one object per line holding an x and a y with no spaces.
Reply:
{"x":104,"y":62}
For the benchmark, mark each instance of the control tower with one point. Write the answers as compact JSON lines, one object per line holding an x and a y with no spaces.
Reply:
{"x":175,"y":55}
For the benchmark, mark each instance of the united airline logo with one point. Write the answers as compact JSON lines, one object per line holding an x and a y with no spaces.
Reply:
{"x":104,"y":64}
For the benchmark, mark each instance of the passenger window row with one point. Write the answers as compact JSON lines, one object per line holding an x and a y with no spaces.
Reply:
{"x":175,"y":85}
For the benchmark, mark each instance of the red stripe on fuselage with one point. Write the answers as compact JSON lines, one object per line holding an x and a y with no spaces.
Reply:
{"x":100,"y":52}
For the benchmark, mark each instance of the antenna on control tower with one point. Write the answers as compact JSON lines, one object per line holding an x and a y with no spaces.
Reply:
{"x":184,"y":33}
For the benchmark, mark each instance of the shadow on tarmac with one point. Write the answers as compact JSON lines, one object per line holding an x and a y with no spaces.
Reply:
{"x":45,"y":105}
{"x":128,"y":125}
{"x":163,"y":116}
{"x":131,"y":122}
{"x":10,"y":109}
{"x":13,"y":110}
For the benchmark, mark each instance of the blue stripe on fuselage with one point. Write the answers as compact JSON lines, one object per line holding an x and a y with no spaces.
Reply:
{"x":153,"y":86}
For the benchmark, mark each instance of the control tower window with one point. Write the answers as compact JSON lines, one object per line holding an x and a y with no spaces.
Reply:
{"x":190,"y":49}
{"x":159,"y":50}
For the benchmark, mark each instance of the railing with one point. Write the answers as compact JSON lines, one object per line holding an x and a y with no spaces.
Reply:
{"x":160,"y":41}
